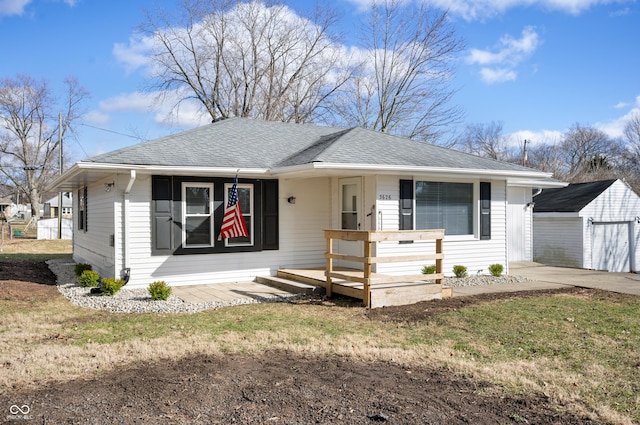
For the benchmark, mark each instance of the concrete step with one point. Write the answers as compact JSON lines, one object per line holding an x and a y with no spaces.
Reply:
{"x":290,"y":285}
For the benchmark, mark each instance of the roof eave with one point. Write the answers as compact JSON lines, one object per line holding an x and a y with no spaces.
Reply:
{"x":84,"y":173}
{"x":524,"y":178}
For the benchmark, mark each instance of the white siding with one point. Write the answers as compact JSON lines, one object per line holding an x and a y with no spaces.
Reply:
{"x":558,"y":240}
{"x":302,"y":242}
{"x":93,"y":246}
{"x":471,"y":252}
{"x":618,"y":204}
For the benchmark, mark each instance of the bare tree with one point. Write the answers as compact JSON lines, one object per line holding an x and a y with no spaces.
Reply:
{"x":631,"y":155}
{"x":248,"y":59}
{"x":407,"y":63}
{"x":30,"y":132}
{"x":589,"y":154}
{"x":486,"y":140}
{"x":547,"y":157}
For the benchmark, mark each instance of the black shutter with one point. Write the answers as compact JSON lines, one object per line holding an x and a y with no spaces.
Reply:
{"x":86,"y":209}
{"x":485,"y":210}
{"x":162,"y":208}
{"x":406,"y":205}
{"x":270,"y":228}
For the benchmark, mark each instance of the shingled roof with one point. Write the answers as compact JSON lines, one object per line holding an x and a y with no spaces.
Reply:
{"x":571,"y":198}
{"x":248,"y":143}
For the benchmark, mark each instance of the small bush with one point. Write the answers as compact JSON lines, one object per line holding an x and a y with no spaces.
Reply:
{"x":81,"y":267}
{"x":496,"y":269}
{"x":159,"y":290}
{"x":111,"y":285}
{"x":460,"y":271}
{"x":431,"y":269}
{"x":89,"y":279}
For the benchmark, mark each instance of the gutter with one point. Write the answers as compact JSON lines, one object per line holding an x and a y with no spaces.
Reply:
{"x":126,"y":271}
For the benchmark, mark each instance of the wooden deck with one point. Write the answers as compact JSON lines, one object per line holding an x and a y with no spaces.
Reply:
{"x":382,"y":293}
{"x":388,"y":289}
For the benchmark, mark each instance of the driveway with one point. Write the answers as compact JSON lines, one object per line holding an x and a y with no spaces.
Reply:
{"x":625,"y":283}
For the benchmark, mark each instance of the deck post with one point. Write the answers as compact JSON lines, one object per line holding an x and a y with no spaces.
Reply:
{"x":439,"y":260}
{"x":329,"y":267}
{"x":366,"y":297}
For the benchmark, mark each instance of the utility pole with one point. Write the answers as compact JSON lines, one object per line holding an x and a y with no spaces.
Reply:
{"x":60,"y":166}
{"x":524,"y":153}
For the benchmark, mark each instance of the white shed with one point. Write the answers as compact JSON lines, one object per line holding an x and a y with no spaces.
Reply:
{"x":594,"y":225}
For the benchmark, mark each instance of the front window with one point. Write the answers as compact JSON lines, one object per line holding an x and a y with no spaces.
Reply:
{"x":245,"y":199}
{"x":198,"y":215}
{"x":441,"y":205}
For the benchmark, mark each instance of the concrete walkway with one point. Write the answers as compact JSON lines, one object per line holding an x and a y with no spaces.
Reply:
{"x":540,"y":277}
{"x":549,"y":277}
{"x":227,"y":292}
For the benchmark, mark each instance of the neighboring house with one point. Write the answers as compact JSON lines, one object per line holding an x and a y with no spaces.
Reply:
{"x":50,"y":207}
{"x":592,"y":225}
{"x":153,"y":211}
{"x":5,"y":207}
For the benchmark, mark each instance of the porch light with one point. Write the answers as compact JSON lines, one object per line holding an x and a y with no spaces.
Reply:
{"x":109,"y":186}
{"x":291,"y":199}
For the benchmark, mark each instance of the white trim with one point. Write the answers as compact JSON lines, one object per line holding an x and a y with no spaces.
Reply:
{"x":125,"y":220}
{"x":185,"y":186}
{"x":517,"y":178}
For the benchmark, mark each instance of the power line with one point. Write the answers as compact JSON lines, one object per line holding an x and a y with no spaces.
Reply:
{"x":114,"y":132}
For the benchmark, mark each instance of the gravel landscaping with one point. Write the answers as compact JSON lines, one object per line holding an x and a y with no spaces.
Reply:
{"x":139,"y":301}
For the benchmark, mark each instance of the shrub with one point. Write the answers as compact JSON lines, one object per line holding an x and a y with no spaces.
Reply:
{"x":111,"y":285}
{"x":159,"y":290}
{"x":460,"y":271}
{"x":89,"y":279}
{"x":431,"y":269}
{"x":496,"y":269}
{"x":81,"y":267}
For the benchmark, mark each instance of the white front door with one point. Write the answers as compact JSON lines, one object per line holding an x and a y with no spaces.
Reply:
{"x":350,"y":218}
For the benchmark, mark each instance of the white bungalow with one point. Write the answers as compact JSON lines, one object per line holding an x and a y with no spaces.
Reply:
{"x":153,"y":211}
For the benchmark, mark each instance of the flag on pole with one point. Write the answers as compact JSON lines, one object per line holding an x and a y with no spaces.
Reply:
{"x":233,"y":224}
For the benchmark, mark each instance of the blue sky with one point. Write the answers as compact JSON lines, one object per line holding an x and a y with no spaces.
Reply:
{"x":537,"y":67}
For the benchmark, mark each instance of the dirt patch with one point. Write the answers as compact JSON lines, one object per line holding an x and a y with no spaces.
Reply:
{"x":276,"y":387}
{"x":282,"y":388}
{"x":26,"y":280}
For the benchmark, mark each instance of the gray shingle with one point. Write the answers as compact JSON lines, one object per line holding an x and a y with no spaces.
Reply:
{"x":247,"y":143}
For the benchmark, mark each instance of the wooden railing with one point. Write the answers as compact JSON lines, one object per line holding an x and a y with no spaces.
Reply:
{"x":369,"y":238}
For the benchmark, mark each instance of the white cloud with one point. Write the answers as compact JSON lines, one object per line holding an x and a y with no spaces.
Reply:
{"x":534,"y":137}
{"x":135,"y":54}
{"x":615,"y":127}
{"x":96,"y":117}
{"x":166,"y":108}
{"x":505,"y":57}
{"x":130,"y":102}
{"x":480,"y":9}
{"x":13,"y":7}
{"x":497,"y":75}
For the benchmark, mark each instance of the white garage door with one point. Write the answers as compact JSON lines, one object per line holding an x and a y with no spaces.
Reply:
{"x":610,"y":247}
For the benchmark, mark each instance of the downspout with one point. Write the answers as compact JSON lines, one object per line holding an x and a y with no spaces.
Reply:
{"x":126,"y":271}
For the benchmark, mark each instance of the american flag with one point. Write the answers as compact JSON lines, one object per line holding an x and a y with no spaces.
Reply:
{"x":233,"y":224}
